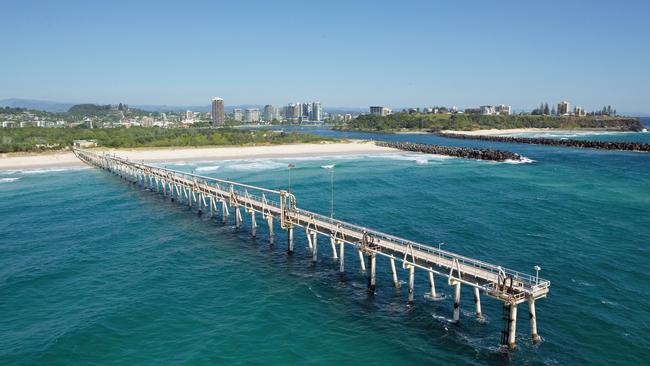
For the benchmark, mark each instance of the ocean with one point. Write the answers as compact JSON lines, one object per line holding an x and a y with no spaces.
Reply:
{"x":97,"y":271}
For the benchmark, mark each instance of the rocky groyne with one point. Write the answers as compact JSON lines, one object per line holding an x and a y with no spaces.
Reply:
{"x":589,"y":144}
{"x":458,"y":152}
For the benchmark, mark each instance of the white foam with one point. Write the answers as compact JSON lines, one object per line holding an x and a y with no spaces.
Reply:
{"x":207,"y":168}
{"x":524,"y":160}
{"x":44,"y":170}
{"x":8,"y":180}
{"x":257,"y":165}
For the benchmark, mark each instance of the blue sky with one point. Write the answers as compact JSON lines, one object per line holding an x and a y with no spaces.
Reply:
{"x":343,"y":53}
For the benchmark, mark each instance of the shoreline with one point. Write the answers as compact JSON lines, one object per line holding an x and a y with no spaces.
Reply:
{"x":496,"y":132}
{"x":17,"y":161}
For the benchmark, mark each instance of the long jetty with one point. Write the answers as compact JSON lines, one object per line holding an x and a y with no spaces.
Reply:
{"x":589,"y":144}
{"x":211,"y":195}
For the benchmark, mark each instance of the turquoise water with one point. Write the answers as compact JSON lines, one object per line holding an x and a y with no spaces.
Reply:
{"x":97,"y":271}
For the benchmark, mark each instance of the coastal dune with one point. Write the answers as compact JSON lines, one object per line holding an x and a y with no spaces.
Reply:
{"x":68,"y":159}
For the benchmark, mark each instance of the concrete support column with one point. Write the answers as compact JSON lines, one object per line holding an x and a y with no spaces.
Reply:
{"x":394,"y":270}
{"x":314,"y":243}
{"x":269,"y":221}
{"x":512,"y":327}
{"x":411,"y":282}
{"x":290,"y":240}
{"x":253,"y":224}
{"x":362,"y":264}
{"x":238,"y":218}
{"x":224,"y":213}
{"x":533,"y":320}
{"x":432,"y":285}
{"x":477,"y":302}
{"x":342,"y":256}
{"x":333,"y":242}
{"x":456,"y":301}
{"x":211,"y":203}
{"x":372,"y":279}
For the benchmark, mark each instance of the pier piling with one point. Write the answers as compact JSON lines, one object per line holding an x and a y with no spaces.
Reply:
{"x":432,"y":285}
{"x":456,"y":301}
{"x":290,"y":240}
{"x":394,"y":270}
{"x":477,"y":302}
{"x":533,"y":320}
{"x":372,"y":280}
{"x":411,"y":282}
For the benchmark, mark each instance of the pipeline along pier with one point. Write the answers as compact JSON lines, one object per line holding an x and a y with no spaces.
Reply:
{"x":213,"y":195}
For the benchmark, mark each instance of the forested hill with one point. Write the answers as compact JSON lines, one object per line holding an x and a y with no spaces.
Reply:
{"x":467,"y":122}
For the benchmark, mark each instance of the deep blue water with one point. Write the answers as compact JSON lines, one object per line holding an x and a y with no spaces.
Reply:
{"x":96,"y":271}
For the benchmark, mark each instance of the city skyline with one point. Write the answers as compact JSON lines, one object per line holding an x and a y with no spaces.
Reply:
{"x":351,"y":59}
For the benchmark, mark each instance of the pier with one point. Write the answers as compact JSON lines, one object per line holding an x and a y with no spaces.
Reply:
{"x":224,"y":198}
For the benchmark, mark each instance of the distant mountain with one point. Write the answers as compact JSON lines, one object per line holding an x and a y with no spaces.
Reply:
{"x":41,"y":105}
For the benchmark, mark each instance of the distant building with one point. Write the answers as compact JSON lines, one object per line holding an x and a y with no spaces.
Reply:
{"x":237,"y":114}
{"x":251,"y":115}
{"x":270,"y":113}
{"x":316,"y":112}
{"x":146,"y":121}
{"x":472,"y":110}
{"x":189,"y":114}
{"x":218,"y":114}
{"x":579,"y":111}
{"x":347,"y":117}
{"x":380,"y":111}
{"x":503,"y":109}
{"x":293,"y":112}
{"x":84,"y":143}
{"x":487,"y":110}
{"x":563,"y":108}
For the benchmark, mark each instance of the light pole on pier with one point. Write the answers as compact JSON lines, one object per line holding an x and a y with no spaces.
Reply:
{"x":537,"y":269}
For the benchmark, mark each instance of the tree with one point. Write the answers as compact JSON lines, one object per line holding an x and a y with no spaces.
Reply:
{"x":546,"y":110}
{"x":553,"y":112}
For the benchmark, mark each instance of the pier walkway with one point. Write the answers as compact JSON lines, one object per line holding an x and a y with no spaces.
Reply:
{"x":213,"y":195}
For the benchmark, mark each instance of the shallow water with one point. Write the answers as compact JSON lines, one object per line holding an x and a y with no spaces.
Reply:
{"x":94,"y":270}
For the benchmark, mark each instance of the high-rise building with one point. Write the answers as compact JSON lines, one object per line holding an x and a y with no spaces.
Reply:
{"x":251,"y":115}
{"x":306,"y":111}
{"x":218,"y":114}
{"x":579,"y":111}
{"x":380,"y":111}
{"x":316,"y":112}
{"x":270,"y":113}
{"x":293,"y":112}
{"x":237,"y":114}
{"x":563,"y":108}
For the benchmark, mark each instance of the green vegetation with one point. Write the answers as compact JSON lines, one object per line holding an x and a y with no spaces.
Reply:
{"x":42,"y":139}
{"x":404,"y":121}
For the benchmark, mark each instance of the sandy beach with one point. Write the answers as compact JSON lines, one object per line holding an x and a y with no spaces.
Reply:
{"x":67,"y":159}
{"x":511,"y":131}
